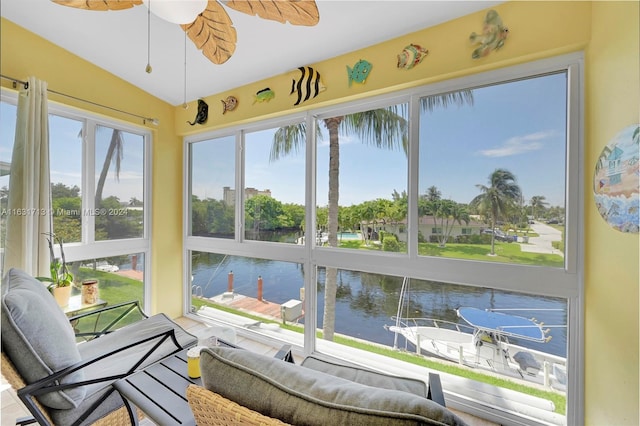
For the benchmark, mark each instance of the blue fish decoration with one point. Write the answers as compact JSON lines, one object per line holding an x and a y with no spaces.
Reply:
{"x":359,"y":72}
{"x":308,"y":85}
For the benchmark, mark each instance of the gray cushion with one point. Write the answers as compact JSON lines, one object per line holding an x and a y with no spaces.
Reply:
{"x":302,"y":396}
{"x":37,"y":336}
{"x":121,"y":362}
{"x":366,"y":377}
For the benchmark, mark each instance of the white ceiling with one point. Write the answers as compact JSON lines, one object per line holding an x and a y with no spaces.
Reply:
{"x":117,"y":40}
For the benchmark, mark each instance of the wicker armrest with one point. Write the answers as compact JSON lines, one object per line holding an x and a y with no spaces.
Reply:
{"x":210,"y":408}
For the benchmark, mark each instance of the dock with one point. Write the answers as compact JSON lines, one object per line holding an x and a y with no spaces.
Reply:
{"x":251,"y":305}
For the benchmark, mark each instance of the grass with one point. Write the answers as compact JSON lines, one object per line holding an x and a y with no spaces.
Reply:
{"x":504,"y":252}
{"x":558,"y":399}
{"x":114,"y":289}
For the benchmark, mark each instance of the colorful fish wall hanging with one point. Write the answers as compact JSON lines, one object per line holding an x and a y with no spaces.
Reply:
{"x":411,"y":56}
{"x":264,"y":95}
{"x":229,"y":104}
{"x":307,"y":86}
{"x":359,"y":72}
{"x":203,"y":113}
{"x":494,"y":33}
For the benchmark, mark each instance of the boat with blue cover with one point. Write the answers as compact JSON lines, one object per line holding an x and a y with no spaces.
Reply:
{"x":483,"y":341}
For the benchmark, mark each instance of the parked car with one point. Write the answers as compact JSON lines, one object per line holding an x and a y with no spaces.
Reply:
{"x":499,"y":235}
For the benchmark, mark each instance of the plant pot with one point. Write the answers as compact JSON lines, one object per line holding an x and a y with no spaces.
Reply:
{"x":62,"y":295}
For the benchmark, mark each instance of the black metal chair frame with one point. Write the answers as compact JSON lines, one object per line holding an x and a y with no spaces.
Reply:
{"x":52,"y":383}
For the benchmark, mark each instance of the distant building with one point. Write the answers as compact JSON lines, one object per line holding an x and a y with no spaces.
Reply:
{"x":229,"y":195}
{"x":428,"y":227}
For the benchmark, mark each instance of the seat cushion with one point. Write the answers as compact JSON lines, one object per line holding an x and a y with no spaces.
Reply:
{"x":366,"y":377}
{"x":37,"y":337}
{"x":301,"y":396}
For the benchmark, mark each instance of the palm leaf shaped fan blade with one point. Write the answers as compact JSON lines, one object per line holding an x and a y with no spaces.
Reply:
{"x":212,"y":31}
{"x":99,"y":4}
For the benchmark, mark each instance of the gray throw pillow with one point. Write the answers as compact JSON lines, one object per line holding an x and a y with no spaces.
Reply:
{"x":301,"y":396}
{"x":38,"y":338}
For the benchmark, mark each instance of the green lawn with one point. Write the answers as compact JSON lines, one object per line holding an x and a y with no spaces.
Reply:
{"x":504,"y":252}
{"x":113,"y":289}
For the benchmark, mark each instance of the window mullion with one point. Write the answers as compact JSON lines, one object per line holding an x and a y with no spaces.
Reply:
{"x":88,"y":181}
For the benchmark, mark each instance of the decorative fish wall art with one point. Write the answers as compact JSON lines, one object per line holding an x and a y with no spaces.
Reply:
{"x":411,"y":56}
{"x":494,"y":33}
{"x":229,"y":104}
{"x":308,"y":85}
{"x":203,"y":113}
{"x":264,"y":95}
{"x":359,"y":72}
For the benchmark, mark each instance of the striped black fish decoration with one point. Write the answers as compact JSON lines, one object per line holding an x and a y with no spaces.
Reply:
{"x":308,"y":85}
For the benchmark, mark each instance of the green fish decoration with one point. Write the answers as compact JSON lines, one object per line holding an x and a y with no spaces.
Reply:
{"x":359,"y":72}
{"x":494,"y":33}
{"x":264,"y":95}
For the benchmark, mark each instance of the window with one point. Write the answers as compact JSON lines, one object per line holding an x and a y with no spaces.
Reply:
{"x":405,"y":232}
{"x":119,"y":194}
{"x":99,"y":188}
{"x":495,"y":172}
{"x":274,"y":185}
{"x":212,"y":188}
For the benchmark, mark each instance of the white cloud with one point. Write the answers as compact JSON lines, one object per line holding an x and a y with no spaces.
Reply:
{"x":518,"y":145}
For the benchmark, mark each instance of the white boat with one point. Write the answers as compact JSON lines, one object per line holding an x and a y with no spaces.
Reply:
{"x":483,"y":342}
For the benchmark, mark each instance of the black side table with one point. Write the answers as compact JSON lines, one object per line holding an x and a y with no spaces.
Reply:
{"x":160,"y":390}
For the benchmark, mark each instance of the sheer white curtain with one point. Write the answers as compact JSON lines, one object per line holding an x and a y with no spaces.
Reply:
{"x":29,"y":188}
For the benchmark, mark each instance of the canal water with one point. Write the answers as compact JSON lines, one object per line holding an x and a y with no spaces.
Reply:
{"x":366,"y":302}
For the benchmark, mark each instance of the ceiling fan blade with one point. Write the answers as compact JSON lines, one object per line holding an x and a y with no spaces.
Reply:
{"x":213,"y":33}
{"x":297,"y":12}
{"x":99,"y":4}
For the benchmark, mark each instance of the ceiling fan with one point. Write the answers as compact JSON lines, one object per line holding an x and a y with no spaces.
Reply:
{"x":212,"y":30}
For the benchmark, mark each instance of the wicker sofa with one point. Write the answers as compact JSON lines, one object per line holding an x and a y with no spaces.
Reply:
{"x":241,"y":387}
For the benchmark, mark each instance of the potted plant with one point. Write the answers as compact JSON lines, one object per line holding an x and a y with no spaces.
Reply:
{"x":61,"y":279}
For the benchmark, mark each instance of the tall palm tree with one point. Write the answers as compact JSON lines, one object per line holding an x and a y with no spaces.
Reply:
{"x":115,"y":151}
{"x":383,"y":128}
{"x":498,"y":199}
{"x":537,"y":202}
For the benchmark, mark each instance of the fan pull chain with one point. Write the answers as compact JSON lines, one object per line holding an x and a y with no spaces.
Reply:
{"x":184,"y":103}
{"x":148,"y":68}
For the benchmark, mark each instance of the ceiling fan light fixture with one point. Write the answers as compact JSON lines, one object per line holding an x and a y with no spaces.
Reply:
{"x":176,"y":11}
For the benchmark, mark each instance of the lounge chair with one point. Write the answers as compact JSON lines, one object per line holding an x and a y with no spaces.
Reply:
{"x":64,"y":383}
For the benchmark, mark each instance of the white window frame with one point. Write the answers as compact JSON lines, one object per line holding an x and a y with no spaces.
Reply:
{"x":88,"y":248}
{"x":566,"y":282}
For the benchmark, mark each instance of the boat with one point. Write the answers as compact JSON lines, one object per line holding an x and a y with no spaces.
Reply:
{"x":482,"y":341}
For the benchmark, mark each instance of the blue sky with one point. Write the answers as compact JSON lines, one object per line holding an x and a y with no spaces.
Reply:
{"x":518,"y":126}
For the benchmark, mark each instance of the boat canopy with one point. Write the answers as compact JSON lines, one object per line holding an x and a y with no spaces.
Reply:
{"x":505,"y":324}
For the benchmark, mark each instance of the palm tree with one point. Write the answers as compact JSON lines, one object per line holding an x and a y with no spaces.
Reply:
{"x":115,"y":150}
{"x":498,"y":199}
{"x":537,"y":202}
{"x":449,"y":213}
{"x":383,"y":128}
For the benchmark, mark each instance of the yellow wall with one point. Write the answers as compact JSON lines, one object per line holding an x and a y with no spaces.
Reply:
{"x":24,"y":54}
{"x":611,"y":257}
{"x":606,"y":31}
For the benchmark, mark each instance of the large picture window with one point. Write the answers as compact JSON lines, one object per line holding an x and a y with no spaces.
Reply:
{"x":440,"y":229}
